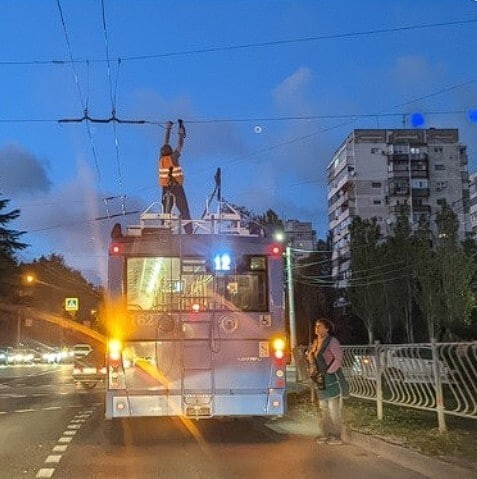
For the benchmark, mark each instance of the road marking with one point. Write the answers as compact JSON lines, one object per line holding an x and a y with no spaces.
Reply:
{"x":25,"y":410}
{"x":60,"y":448}
{"x":51,"y":408}
{"x":73,"y":426}
{"x":45,"y":473}
{"x":63,"y":441}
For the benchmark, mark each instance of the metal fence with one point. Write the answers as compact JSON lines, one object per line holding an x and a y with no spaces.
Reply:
{"x":439,"y":377}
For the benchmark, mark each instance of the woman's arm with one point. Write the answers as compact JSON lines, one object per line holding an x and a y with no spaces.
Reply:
{"x":336,"y":352}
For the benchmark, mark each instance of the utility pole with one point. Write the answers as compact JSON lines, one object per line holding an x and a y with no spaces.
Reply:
{"x":291,"y":298}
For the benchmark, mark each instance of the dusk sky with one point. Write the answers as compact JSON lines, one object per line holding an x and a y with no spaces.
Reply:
{"x":267,"y":89}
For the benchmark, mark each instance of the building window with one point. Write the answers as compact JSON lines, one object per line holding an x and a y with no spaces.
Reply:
{"x":374,"y":151}
{"x":439,"y":167}
{"x":376,"y":184}
{"x":438,"y":149}
{"x":376,"y":202}
{"x":441,"y":201}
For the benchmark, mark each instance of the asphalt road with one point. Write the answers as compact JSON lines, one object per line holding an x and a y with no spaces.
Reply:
{"x":51,"y":428}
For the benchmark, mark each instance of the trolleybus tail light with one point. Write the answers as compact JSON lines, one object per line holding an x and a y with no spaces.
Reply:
{"x":278,"y":346}
{"x":114,"y":352}
{"x":195,"y":307}
{"x":276,"y":251}
{"x":116,"y":249}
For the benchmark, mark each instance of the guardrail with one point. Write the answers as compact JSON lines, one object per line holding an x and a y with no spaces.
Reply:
{"x":439,"y":377}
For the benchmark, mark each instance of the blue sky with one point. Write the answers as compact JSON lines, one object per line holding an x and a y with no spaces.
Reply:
{"x":305,"y":72}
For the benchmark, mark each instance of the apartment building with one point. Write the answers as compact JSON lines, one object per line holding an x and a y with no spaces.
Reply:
{"x":473,"y":204}
{"x":374,"y":172}
{"x":302,"y":236}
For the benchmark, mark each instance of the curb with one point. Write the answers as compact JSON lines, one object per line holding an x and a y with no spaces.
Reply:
{"x":427,"y":466}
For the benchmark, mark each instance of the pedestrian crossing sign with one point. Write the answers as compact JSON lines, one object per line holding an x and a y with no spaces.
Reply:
{"x":71,"y":304}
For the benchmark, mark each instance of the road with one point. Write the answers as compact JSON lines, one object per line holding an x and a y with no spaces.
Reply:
{"x":51,"y":428}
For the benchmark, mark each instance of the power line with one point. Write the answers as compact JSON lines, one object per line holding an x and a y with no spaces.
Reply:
{"x":80,"y":94}
{"x":113,"y":96}
{"x":253,"y":45}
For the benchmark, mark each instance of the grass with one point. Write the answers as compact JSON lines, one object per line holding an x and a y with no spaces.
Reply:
{"x":406,"y":427}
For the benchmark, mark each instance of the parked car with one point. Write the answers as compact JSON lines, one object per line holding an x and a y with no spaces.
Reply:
{"x":5,"y":353}
{"x":401,"y":364}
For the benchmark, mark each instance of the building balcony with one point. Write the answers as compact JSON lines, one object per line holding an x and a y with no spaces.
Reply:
{"x":420,"y":192}
{"x":399,"y":173}
{"x":397,"y":209}
{"x":421,"y":208}
{"x":418,"y":173}
{"x":399,"y":191}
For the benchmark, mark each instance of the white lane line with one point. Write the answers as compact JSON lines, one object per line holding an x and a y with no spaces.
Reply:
{"x":65,"y":440}
{"x":3,"y":412}
{"x":60,"y":448}
{"x":25,"y":410}
{"x":73,"y":426}
{"x":53,"y":458}
{"x":78,"y":421}
{"x":70,"y":433}
{"x":51,"y":408}
{"x":45,"y":473}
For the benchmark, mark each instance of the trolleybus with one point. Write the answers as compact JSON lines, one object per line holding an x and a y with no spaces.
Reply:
{"x":196,"y":324}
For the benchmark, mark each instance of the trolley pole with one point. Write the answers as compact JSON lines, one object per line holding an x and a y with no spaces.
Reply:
{"x":291,"y":298}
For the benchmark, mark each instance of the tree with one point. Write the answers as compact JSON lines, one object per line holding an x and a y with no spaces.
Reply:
{"x":366,"y":291}
{"x":456,"y":269}
{"x":54,"y":281}
{"x":399,"y":253}
{"x":9,"y":244}
{"x":312,"y":287}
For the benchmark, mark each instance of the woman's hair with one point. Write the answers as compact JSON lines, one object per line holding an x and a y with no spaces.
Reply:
{"x":327,"y":323}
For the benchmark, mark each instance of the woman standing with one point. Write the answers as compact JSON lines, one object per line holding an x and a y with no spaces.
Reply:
{"x":325,"y":357}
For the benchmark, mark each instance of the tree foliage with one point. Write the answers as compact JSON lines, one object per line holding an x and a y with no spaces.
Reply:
{"x":408,"y":278}
{"x":54,"y":281}
{"x":366,"y":294}
{"x":10,"y":244}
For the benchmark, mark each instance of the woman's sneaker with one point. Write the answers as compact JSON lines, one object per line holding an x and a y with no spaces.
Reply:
{"x":321,"y":439}
{"x":332,"y":441}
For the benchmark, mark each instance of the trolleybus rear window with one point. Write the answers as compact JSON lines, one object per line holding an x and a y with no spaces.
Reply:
{"x":167,"y":284}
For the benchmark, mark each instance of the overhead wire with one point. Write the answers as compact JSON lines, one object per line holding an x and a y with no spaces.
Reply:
{"x":273,"y":43}
{"x":113,"y":97}
{"x":78,"y":86}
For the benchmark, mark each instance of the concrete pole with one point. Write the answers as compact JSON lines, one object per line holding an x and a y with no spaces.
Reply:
{"x":291,"y":299}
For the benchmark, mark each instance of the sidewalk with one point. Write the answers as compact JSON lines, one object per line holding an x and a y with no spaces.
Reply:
{"x":297,"y":423}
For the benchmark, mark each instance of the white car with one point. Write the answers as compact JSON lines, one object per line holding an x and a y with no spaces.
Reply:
{"x":401,"y":364}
